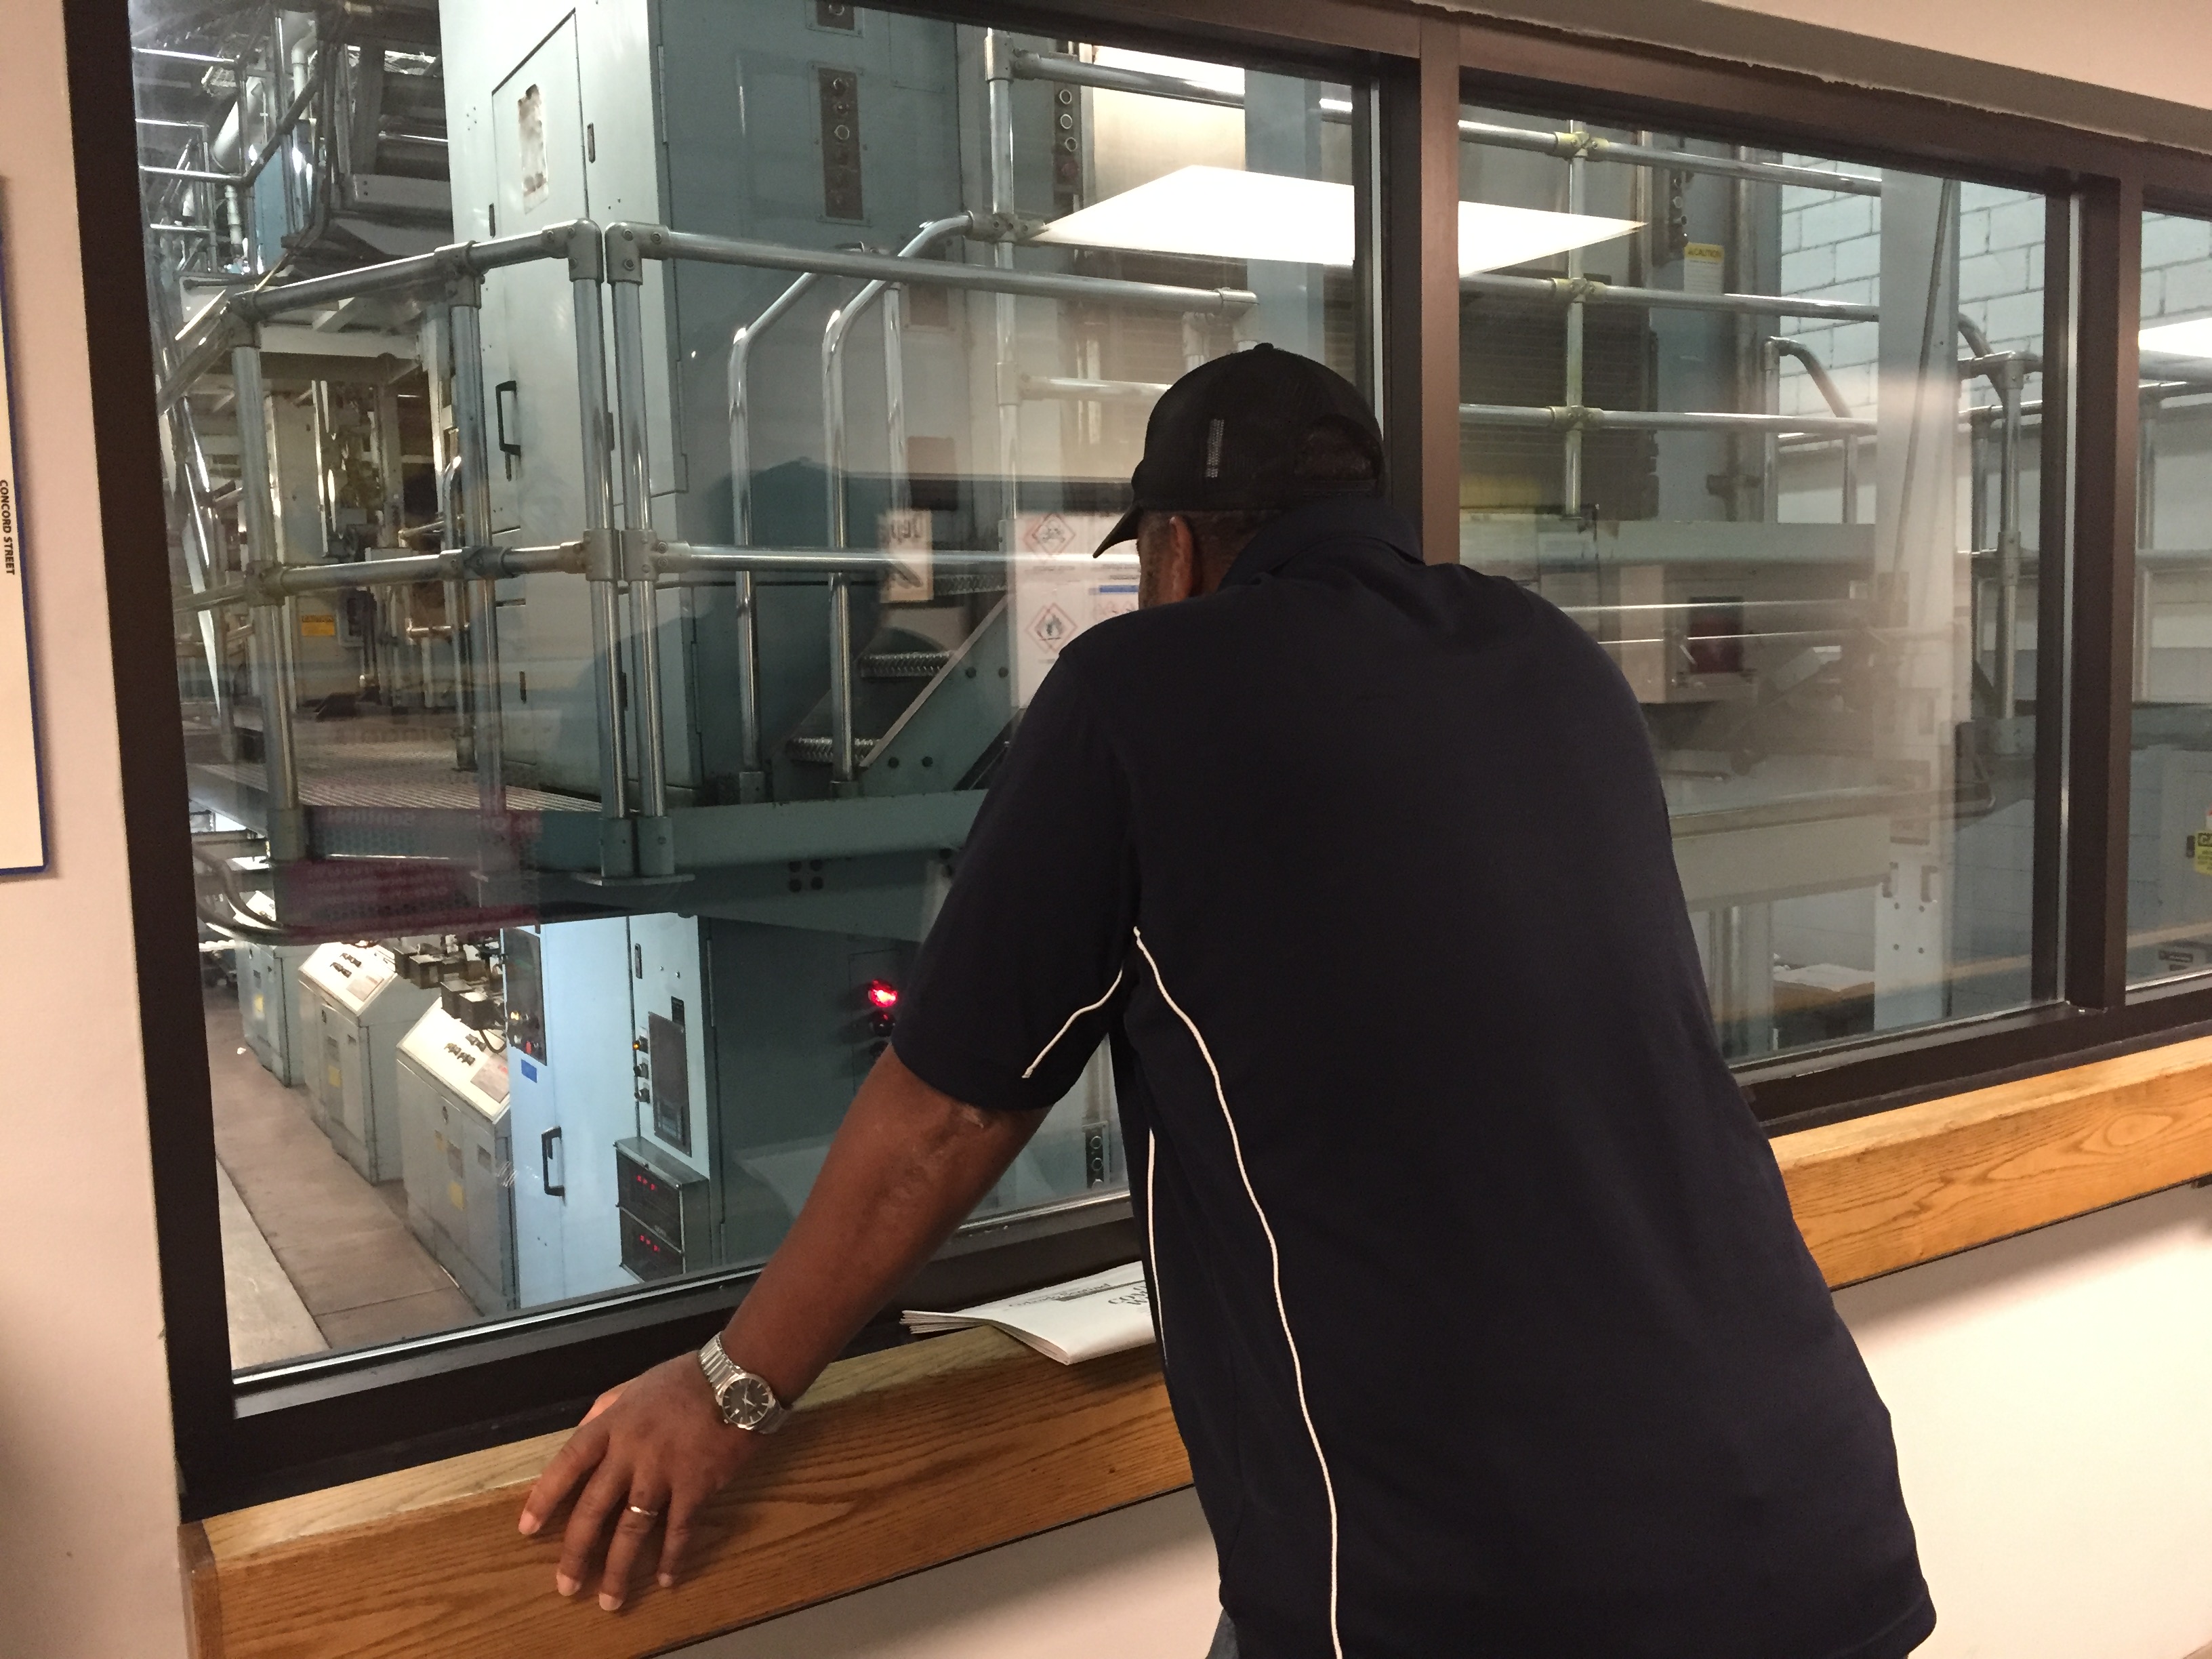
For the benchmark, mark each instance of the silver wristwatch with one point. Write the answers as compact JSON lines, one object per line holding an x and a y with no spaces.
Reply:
{"x":746,"y":1400}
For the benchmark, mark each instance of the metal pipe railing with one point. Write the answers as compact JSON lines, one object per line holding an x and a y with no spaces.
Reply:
{"x":1073,"y":71}
{"x":1590,"y":291}
{"x":211,"y":335}
{"x":286,"y":829}
{"x":657,"y":242}
{"x":1577,"y":142}
{"x":656,"y":849}
{"x":1566,"y":418}
{"x":1571,"y":473}
{"x":1070,"y":387}
{"x":834,"y":333}
{"x":604,"y":602}
{"x":471,"y":432}
{"x":1777,"y":348}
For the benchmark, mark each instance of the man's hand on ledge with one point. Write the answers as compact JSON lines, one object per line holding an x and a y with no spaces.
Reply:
{"x":649,"y":1453}
{"x":907,"y":1163}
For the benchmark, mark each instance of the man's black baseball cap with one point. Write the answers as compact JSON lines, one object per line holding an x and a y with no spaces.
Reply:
{"x":1228,"y":437}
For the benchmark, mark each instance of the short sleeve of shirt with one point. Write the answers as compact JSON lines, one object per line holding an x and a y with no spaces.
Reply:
{"x":1014,"y":984}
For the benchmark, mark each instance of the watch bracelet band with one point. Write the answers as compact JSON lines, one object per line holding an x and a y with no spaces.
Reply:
{"x":721,"y":1372}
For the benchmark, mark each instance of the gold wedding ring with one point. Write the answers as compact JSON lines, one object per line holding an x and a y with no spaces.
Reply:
{"x":650,"y":1515}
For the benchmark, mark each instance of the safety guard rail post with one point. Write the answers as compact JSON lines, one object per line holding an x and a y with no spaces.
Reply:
{"x":625,"y":276}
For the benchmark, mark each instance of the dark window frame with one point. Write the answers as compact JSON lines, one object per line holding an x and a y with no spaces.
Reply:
{"x":293,"y":1428}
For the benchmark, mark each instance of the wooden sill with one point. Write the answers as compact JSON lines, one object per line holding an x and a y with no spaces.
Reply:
{"x":904,"y":1460}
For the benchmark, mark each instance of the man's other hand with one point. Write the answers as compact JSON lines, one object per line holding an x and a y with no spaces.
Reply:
{"x":644,"y":1459}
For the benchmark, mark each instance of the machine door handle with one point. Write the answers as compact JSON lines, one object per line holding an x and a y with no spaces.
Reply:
{"x":546,"y":1163}
{"x":500,"y":394}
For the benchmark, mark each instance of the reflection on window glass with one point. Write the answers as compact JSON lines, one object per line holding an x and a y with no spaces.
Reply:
{"x":1768,"y":425}
{"x":2170,"y":794}
{"x":594,"y":650}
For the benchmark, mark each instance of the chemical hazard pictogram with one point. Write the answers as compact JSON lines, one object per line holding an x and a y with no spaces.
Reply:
{"x":1052,"y":628}
{"x":1051,"y":534}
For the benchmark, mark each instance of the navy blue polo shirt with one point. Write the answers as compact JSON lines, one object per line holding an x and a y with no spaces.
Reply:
{"x":1483,"y":1313}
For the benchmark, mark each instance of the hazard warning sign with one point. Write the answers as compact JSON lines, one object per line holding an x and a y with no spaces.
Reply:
{"x":1058,"y":590}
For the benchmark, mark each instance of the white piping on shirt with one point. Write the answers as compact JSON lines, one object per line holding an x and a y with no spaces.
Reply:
{"x":1069,"y":1024}
{"x":1152,"y":1242}
{"x":1275,"y":1267}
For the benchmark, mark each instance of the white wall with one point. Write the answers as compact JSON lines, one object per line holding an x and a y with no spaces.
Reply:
{"x":88,"y":1503}
{"x":2049,"y":1396}
{"x":2049,"y":1392}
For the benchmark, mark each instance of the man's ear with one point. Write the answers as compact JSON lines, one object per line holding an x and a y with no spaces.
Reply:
{"x":1170,"y":569}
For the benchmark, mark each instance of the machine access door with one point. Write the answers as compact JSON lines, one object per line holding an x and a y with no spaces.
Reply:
{"x":540,"y":152}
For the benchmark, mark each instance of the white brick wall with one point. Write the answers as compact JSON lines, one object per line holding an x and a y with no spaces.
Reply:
{"x":1832,"y":250}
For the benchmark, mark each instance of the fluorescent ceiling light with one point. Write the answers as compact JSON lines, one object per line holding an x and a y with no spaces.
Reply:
{"x":1220,"y":213}
{"x":2188,"y":339}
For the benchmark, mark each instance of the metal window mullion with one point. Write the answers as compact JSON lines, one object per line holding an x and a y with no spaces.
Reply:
{"x":2107,"y":247}
{"x":1420,"y":288}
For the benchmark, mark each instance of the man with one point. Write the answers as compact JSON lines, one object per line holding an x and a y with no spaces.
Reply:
{"x":1482,"y":1310}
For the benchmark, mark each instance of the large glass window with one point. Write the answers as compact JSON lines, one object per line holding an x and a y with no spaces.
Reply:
{"x":593,"y":656}
{"x":1767,"y":425}
{"x":2170,"y":793}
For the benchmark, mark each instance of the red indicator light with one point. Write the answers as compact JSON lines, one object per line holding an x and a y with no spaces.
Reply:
{"x":882,"y":995}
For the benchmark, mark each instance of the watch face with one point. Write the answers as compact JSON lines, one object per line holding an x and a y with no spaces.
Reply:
{"x":750,"y":1400}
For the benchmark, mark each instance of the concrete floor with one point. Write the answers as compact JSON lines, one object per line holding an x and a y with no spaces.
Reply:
{"x":339,"y":1245}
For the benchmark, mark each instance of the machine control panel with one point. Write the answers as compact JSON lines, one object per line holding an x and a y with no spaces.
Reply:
{"x":665,"y":1210}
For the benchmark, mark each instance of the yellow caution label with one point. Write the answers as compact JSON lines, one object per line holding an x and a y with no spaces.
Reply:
{"x":455,"y":1196}
{"x":337,"y":1077}
{"x":2201,"y":853}
{"x":318,"y":625}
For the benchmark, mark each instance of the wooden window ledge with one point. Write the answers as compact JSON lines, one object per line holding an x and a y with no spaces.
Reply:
{"x":903,"y":1460}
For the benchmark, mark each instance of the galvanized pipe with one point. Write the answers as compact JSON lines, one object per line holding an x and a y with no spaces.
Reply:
{"x":999,"y":70}
{"x":1667,"y":161}
{"x":286,"y":829}
{"x":1655,"y":420}
{"x":635,"y":471}
{"x":1073,"y":71}
{"x":657,"y":242}
{"x":740,"y":419}
{"x":1571,"y":473}
{"x":1070,"y":387}
{"x":1593,"y":292}
{"x":2008,"y":538}
{"x":456,"y":621}
{"x":472,"y":435}
{"x":599,"y":516}
{"x":834,"y":333}
{"x":1777,"y":348}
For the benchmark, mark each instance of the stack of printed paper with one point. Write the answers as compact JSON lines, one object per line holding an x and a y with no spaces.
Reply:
{"x":1080,"y":1319}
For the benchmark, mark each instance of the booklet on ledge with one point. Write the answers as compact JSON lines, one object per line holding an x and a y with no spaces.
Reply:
{"x":1080,"y":1319}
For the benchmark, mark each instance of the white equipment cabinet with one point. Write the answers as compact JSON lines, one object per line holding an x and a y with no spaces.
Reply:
{"x":456,"y":1134}
{"x":269,"y":1007}
{"x":353,"y":1009}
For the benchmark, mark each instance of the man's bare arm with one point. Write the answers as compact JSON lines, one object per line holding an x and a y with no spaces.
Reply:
{"x":906,"y":1166}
